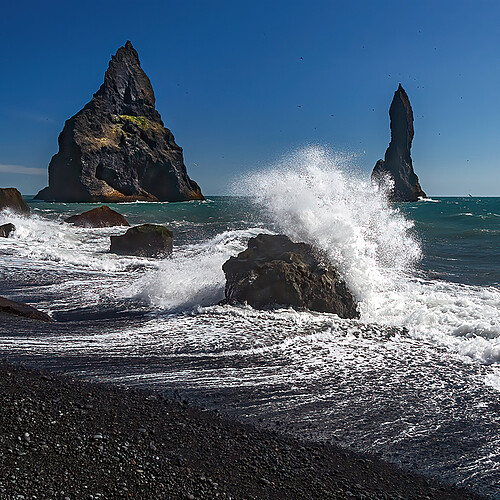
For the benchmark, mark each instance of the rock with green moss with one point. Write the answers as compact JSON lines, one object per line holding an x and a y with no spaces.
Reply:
{"x":148,"y":240}
{"x":117,"y":147}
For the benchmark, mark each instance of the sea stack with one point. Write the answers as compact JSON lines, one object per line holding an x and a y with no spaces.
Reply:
{"x":397,"y":163}
{"x":117,"y":148}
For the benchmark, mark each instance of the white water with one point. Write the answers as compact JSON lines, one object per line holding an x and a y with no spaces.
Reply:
{"x":311,"y":196}
{"x":372,"y":388}
{"x":194,"y":277}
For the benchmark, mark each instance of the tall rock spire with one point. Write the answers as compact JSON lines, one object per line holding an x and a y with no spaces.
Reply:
{"x":397,"y":163}
{"x":117,"y":148}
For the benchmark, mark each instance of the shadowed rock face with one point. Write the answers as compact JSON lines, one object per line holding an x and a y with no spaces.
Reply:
{"x":6,"y":229}
{"x":11,"y":199}
{"x":273,"y":271}
{"x":117,"y":147}
{"x":19,"y":309}
{"x":148,"y":240}
{"x":397,"y":163}
{"x":98,"y":217}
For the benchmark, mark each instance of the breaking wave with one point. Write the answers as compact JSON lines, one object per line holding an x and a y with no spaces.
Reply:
{"x":315,"y":196}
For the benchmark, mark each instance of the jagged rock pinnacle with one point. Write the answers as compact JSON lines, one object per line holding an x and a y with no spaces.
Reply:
{"x":397,"y":162}
{"x":117,"y":148}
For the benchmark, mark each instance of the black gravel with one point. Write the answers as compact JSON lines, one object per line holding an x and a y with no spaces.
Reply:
{"x":62,"y":438}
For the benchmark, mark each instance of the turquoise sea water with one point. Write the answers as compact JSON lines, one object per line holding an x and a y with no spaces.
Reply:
{"x":416,"y":380}
{"x":460,"y":236}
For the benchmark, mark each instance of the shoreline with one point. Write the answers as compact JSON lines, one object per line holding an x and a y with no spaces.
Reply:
{"x":67,"y":438}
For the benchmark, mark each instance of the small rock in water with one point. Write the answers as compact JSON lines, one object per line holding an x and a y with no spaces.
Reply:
{"x":11,"y":199}
{"x":147,"y":240}
{"x":6,"y":229}
{"x":98,"y":217}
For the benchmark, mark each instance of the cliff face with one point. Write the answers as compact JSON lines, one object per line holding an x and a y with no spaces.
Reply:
{"x":397,"y":162}
{"x":117,"y":147}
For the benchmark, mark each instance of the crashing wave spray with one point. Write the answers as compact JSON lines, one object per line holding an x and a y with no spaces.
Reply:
{"x":194,"y":277}
{"x":312,"y":197}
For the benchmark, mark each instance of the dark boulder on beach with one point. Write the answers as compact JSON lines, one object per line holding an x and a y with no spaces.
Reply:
{"x":275,"y":272}
{"x":397,"y":164}
{"x":148,"y":240}
{"x":11,"y":199}
{"x":117,"y":148}
{"x":6,"y":229}
{"x":98,"y":217}
{"x":19,"y":309}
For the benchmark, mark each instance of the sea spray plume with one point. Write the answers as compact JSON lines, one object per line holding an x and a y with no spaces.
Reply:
{"x":194,"y":277}
{"x":315,"y":196}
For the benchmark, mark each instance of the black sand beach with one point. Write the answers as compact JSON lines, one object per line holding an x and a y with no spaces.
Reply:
{"x":64,"y":438}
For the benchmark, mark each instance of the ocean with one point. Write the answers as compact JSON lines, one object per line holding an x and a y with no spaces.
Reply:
{"x":415,"y":381}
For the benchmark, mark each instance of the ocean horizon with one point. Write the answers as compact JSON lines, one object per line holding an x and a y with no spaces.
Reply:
{"x":414,"y":381}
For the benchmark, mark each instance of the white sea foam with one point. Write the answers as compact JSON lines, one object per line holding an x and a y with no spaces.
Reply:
{"x":314,"y":197}
{"x":38,"y":238}
{"x":428,"y":200}
{"x":194,"y":277}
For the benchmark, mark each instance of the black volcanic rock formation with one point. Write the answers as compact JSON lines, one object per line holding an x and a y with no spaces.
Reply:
{"x":397,"y":163}
{"x":6,"y":229}
{"x":275,"y":272}
{"x":19,"y":309}
{"x":148,"y":240}
{"x":117,"y":147}
{"x":98,"y":217}
{"x":11,"y":199}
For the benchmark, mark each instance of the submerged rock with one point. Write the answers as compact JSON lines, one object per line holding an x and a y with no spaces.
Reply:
{"x":98,"y":217}
{"x":274,"y":272}
{"x":19,"y":309}
{"x":148,"y":240}
{"x":6,"y":229}
{"x":397,"y":163}
{"x":117,"y":147}
{"x":11,"y":199}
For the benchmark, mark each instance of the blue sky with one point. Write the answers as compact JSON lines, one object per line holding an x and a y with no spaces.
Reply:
{"x":229,"y":77}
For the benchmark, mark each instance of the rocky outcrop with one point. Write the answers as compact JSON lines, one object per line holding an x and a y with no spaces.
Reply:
{"x":275,"y":272}
{"x":11,"y":199}
{"x":397,"y":164}
{"x":98,"y":217}
{"x":19,"y":309}
{"x":117,"y":147}
{"x":148,"y":240}
{"x":6,"y":229}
